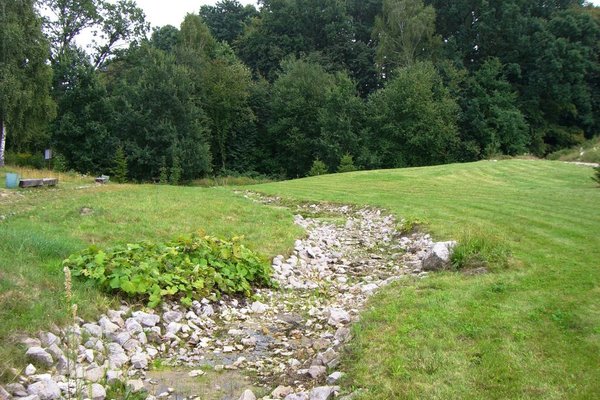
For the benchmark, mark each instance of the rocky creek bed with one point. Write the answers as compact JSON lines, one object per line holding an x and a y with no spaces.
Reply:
{"x":283,"y":343}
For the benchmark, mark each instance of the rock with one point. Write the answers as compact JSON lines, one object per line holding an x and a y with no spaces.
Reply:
{"x":281,"y":391}
{"x":98,"y":392}
{"x":4,"y":395}
{"x":148,"y":320}
{"x":195,"y":373}
{"x":95,"y":330}
{"x":48,"y":339}
{"x":317,"y":371}
{"x":259,"y":308}
{"x":116,"y":355}
{"x":342,"y":334}
{"x":133,"y":326}
{"x":31,"y":342}
{"x":40,"y":355}
{"x":30,"y":370}
{"x":45,"y":389}
{"x":113,"y":376}
{"x":334,"y":377}
{"x":323,"y":392}
{"x":250,"y":342}
{"x":174,"y":327}
{"x":135,"y":385}
{"x":16,"y":389}
{"x":172,"y":316}
{"x":139,"y":361}
{"x":338,"y":316}
{"x":107,"y":325}
{"x":55,"y":351}
{"x":438,"y":256}
{"x":94,"y":373}
{"x":247,"y":395}
{"x":368,"y":289}
{"x":328,"y":357}
{"x":297,"y":396}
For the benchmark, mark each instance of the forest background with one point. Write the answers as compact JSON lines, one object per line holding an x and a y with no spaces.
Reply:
{"x":294,"y":87}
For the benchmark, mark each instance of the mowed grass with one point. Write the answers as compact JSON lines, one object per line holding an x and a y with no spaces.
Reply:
{"x":43,"y":226}
{"x":529,"y":331}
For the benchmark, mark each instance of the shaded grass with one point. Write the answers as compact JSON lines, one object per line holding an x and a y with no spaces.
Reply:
{"x":42,"y":226}
{"x":530,"y":331}
{"x":588,"y":151}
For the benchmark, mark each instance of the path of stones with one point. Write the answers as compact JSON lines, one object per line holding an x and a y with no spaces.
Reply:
{"x":279,"y":345}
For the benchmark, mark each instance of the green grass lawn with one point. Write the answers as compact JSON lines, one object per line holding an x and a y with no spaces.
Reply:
{"x":43,"y":226}
{"x":532,"y":331}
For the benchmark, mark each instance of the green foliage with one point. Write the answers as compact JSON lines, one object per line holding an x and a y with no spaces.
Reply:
{"x":163,"y":172}
{"x":175,"y":172}
{"x":59,"y":163}
{"x":188,"y":268}
{"x":480,"y":250}
{"x":318,"y":168}
{"x":119,"y":170}
{"x":346,"y":164}
{"x":414,"y":119}
{"x":596,"y":176}
{"x":25,"y":160}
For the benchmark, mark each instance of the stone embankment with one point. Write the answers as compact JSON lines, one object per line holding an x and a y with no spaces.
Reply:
{"x":288,"y":340}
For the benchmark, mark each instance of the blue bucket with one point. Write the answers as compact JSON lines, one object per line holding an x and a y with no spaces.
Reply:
{"x":12,"y":180}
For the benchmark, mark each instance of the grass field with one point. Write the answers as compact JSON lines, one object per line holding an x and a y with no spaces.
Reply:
{"x":43,"y":226}
{"x":532,"y":331}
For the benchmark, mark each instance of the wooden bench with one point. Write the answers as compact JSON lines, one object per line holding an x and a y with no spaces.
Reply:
{"x":27,"y":183}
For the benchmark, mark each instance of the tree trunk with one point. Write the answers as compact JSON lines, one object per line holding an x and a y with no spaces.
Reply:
{"x":2,"y":141}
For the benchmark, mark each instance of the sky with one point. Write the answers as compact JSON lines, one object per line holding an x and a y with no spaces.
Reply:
{"x":172,"y":12}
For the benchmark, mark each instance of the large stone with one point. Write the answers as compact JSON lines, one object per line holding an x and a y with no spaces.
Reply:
{"x":113,"y":376}
{"x":146,"y":319}
{"x":108,"y":326}
{"x":259,"y":308}
{"x":323,"y":392}
{"x":98,"y":392}
{"x":133,"y":326}
{"x":45,"y":389}
{"x":317,"y":371}
{"x":49,"y":338}
{"x":135,"y":385}
{"x":139,"y":361}
{"x":338,"y":316}
{"x":4,"y":395}
{"x":334,"y":377}
{"x":297,"y":396}
{"x":96,"y":330}
{"x":281,"y":391}
{"x":94,"y":373}
{"x":55,"y":351}
{"x":172,"y":316}
{"x":438,"y":256}
{"x":247,"y":395}
{"x":40,"y":355}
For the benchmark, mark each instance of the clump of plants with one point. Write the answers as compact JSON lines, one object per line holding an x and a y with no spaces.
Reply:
{"x":480,"y":250}
{"x":185,"y":269}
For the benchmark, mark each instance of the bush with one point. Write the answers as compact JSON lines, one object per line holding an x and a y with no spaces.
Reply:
{"x":346,"y":164}
{"x":480,"y":250}
{"x":318,"y":168}
{"x":25,"y":160}
{"x":176,"y":171}
{"x":596,"y":176}
{"x":184,"y":269}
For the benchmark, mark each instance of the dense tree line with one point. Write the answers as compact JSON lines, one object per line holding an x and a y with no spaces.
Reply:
{"x":274,"y":89}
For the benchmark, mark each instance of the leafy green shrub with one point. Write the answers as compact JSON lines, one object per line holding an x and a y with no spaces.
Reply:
{"x":25,"y":160}
{"x":346,"y":164}
{"x":59,"y":164}
{"x":318,"y":168}
{"x":187,"y":268}
{"x":176,"y":171}
{"x":480,"y":250}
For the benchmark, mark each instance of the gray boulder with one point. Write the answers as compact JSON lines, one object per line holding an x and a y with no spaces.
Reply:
{"x":323,"y":392}
{"x":40,"y":355}
{"x":438,"y":256}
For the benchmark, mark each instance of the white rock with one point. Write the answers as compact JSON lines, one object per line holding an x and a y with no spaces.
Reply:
{"x":281,"y":391}
{"x":247,"y":395}
{"x":438,"y":256}
{"x":146,"y":319}
{"x":95,"y":330}
{"x":334,"y":377}
{"x":45,"y":389}
{"x":139,"y":361}
{"x":135,"y":385}
{"x":40,"y":355}
{"x":368,"y":289}
{"x":107,"y":326}
{"x":94,"y":374}
{"x":98,"y":392}
{"x":174,"y":327}
{"x":259,"y":308}
{"x":113,"y":376}
{"x":323,"y":392}
{"x":172,"y":316}
{"x":195,"y":373}
{"x":48,"y":339}
{"x":30,"y":370}
{"x":317,"y":371}
{"x":133,"y":326}
{"x":338,"y":316}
